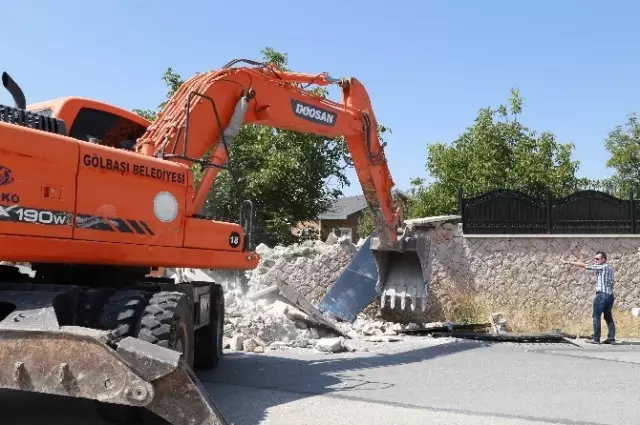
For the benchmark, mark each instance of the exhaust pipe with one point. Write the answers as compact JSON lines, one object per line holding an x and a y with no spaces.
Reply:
{"x":15,"y":90}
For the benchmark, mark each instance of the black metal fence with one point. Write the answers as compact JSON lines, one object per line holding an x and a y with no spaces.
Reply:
{"x":505,"y":211}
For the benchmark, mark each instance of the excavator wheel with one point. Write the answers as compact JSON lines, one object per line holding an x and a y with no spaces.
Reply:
{"x":122,"y":312}
{"x":209,"y":338}
{"x":165,"y":319}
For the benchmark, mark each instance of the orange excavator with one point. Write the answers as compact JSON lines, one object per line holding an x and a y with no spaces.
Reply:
{"x":94,"y":198}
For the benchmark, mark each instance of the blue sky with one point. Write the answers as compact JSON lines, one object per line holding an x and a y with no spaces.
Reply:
{"x":428,"y":65}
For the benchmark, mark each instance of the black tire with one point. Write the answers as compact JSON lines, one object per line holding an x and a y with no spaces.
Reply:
{"x":121,"y":312}
{"x":209,"y":338}
{"x":167,"y":321}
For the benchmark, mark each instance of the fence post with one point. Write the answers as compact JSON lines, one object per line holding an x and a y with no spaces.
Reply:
{"x":460,"y":200}
{"x":549,"y":225}
{"x":633,"y":212}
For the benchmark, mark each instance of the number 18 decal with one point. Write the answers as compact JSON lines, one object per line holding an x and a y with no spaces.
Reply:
{"x":234,"y":239}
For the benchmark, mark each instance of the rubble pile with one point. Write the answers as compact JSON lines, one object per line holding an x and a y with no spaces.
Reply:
{"x":259,"y":318}
{"x":255,"y":325}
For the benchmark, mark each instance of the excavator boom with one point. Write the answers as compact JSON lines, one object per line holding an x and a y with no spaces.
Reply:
{"x":210,"y":108}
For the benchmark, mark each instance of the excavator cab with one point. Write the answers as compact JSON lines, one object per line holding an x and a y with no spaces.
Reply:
{"x":95,"y":122}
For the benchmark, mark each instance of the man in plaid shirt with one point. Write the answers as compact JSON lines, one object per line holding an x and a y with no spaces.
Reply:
{"x":604,"y":298}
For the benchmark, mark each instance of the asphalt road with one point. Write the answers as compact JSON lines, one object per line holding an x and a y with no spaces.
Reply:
{"x":416,"y":381}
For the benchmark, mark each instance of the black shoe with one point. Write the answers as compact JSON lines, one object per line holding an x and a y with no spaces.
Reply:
{"x":609,"y":341}
{"x":592,"y":341}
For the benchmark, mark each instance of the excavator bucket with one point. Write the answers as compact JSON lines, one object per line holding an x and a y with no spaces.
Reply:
{"x":398,"y":277}
{"x":403,"y":275}
{"x":39,"y":356}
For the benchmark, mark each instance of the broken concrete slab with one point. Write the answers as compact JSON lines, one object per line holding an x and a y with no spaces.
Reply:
{"x":270,"y":291}
{"x":294,"y":297}
{"x":330,"y":345}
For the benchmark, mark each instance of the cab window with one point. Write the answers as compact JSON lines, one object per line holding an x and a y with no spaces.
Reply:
{"x":92,"y":125}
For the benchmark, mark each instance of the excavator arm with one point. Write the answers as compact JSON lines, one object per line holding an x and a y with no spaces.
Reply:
{"x":202,"y":117}
{"x":210,"y":108}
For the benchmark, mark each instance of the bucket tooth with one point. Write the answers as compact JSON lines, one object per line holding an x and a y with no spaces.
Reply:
{"x":414,"y":298}
{"x":392,"y":297}
{"x":403,"y":298}
{"x":19,"y":373}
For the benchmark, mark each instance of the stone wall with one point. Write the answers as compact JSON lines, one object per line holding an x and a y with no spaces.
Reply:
{"x":524,"y":272}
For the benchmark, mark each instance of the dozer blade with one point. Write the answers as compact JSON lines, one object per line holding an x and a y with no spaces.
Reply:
{"x":78,"y":362}
{"x":399,"y":277}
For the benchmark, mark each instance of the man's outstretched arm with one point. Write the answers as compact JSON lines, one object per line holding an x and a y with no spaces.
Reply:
{"x":575,"y":263}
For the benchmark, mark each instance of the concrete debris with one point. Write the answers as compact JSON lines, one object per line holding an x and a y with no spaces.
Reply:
{"x":237,"y":342}
{"x":412,"y":326}
{"x":498,"y":322}
{"x":330,"y":345}
{"x":273,"y":307}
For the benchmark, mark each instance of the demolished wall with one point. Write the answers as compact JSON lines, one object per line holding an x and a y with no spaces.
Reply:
{"x":509,"y":273}
{"x":257,"y":316}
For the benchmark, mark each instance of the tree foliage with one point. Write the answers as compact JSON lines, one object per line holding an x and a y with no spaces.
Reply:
{"x":365,"y":223}
{"x":291,"y":177}
{"x":497,"y":151}
{"x":623,"y":143}
{"x":173,"y":82}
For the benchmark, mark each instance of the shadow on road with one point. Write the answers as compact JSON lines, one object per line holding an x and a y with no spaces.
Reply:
{"x":294,"y":378}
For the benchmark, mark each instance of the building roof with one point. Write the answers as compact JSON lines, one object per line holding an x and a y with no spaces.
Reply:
{"x":342,"y":208}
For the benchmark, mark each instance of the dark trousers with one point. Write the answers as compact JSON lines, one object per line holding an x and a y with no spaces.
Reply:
{"x":603,"y":304}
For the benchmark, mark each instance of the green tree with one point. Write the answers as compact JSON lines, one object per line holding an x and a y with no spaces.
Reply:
{"x":365,"y":223}
{"x":173,"y":82}
{"x":623,"y":143}
{"x":497,"y":151}
{"x":291,"y":177}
